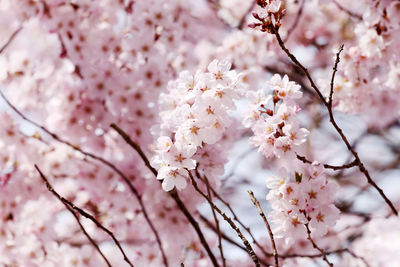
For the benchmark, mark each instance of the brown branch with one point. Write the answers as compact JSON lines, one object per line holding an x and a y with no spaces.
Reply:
{"x":283,"y":256}
{"x":71,"y":207}
{"x":357,"y":257}
{"x":100,"y":159}
{"x":350,"y":13}
{"x":298,"y":64}
{"x":230,"y":240}
{"x":242,"y":22}
{"x":332,"y":120}
{"x":221,"y":251}
{"x":194,"y":223}
{"x":333,"y":74}
{"x":135,"y":146}
{"x":246,"y":243}
{"x":327,"y":166}
{"x":296,"y":21}
{"x":173,"y":194}
{"x":10,"y":39}
{"x":235,"y":217}
{"x":224,"y":236}
{"x":337,"y":251}
{"x":316,"y":246}
{"x":271,"y":235}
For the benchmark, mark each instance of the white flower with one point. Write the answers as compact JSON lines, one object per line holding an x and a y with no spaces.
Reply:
{"x":164,"y":143}
{"x":285,"y":89}
{"x":295,"y":133}
{"x":172,"y":177}
{"x":180,"y":156}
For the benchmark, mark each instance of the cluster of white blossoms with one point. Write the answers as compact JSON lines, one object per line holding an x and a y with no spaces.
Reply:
{"x":273,"y":119}
{"x":301,"y":197}
{"x":298,"y":196}
{"x":195,"y":113}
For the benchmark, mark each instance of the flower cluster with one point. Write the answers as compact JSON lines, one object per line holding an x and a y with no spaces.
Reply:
{"x":273,"y":119}
{"x":297,"y":197}
{"x":302,"y":197}
{"x":195,"y":115}
{"x":268,"y":15}
{"x":364,"y":85}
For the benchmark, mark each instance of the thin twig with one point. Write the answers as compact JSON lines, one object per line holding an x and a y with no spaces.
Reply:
{"x":332,"y":120}
{"x":316,"y":246}
{"x":172,"y":193}
{"x":71,"y":207}
{"x":296,"y":20}
{"x":334,"y":73}
{"x":135,"y":146}
{"x":235,"y":217}
{"x":246,"y":243}
{"x":242,"y":22}
{"x":10,"y":39}
{"x":230,"y":240}
{"x":271,"y":235}
{"x":216,"y":224}
{"x":352,"y":14}
{"x":357,"y":257}
{"x":100,"y":159}
{"x":328,"y":166}
{"x":283,"y":256}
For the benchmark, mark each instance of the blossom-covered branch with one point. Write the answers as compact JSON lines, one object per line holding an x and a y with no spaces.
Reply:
{"x":72,"y":208}
{"x":98,"y":158}
{"x":173,"y":193}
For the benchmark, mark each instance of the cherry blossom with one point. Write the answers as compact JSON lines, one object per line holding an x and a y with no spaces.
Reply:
{"x":197,"y":92}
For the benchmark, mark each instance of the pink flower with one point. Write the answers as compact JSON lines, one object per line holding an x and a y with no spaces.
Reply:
{"x":172,"y":177}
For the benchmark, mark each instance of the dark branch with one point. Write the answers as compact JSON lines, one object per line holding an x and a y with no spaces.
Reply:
{"x":246,"y":243}
{"x":173,"y":193}
{"x":100,"y":159}
{"x":332,"y":120}
{"x":221,"y":251}
{"x":350,"y":13}
{"x":271,"y":235}
{"x":71,"y":207}
{"x":333,"y":74}
{"x":327,"y":166}
{"x":13,"y":35}
{"x":296,"y":21}
{"x":235,"y":217}
{"x":283,"y":256}
{"x":242,"y":22}
{"x":316,"y":246}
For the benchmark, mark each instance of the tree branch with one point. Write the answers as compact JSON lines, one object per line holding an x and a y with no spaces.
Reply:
{"x":71,"y":207}
{"x":10,"y":39}
{"x":316,"y":246}
{"x":327,"y":166}
{"x":350,"y":13}
{"x":360,"y":165}
{"x":271,"y":235}
{"x":173,"y":194}
{"x":98,"y":158}
{"x":246,"y":243}
{"x":235,"y":217}
{"x":284,"y":256}
{"x":296,"y":21}
{"x":216,"y":224}
{"x":333,"y":74}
